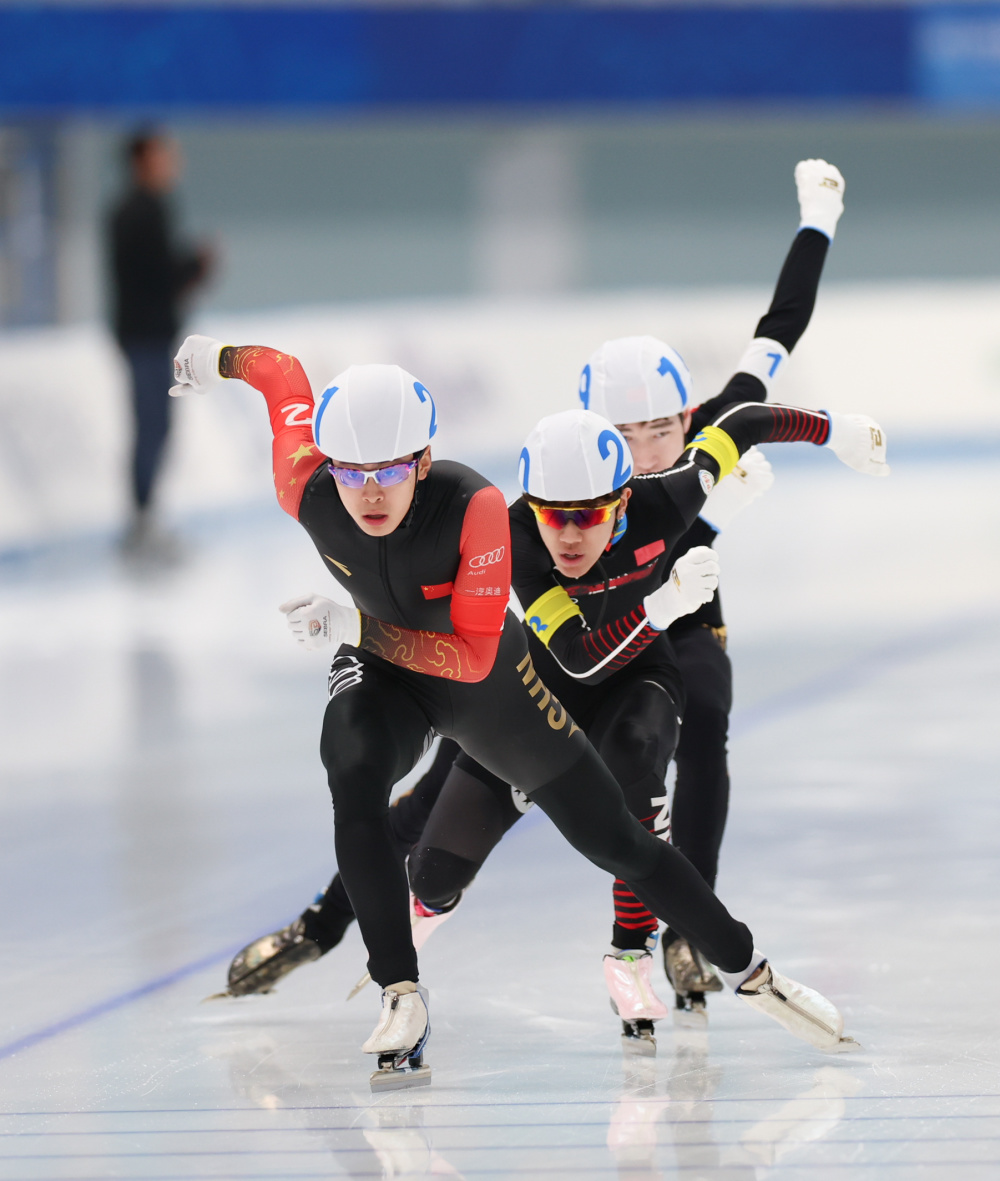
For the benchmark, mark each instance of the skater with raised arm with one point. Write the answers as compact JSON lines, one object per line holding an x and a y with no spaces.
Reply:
{"x":643,"y":385}
{"x":424,"y":551}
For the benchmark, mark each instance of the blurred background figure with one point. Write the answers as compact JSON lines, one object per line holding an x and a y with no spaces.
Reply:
{"x":152,"y":276}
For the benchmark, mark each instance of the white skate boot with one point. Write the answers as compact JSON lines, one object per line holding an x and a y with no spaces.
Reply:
{"x":802,"y":1011}
{"x":691,"y":976}
{"x":423,"y":923}
{"x":627,"y":975}
{"x":399,"y":1039}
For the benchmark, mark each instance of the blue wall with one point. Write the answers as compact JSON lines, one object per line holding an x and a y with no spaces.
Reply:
{"x":107,"y":58}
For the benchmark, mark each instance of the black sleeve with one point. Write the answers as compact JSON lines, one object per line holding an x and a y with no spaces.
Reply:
{"x":795,"y":295}
{"x":746,"y":424}
{"x":785,"y":320}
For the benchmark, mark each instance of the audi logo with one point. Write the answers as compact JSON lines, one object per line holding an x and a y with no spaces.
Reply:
{"x":489,"y":559}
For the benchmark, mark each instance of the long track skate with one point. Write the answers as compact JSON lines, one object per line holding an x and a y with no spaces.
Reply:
{"x":261,"y":964}
{"x":630,"y":989}
{"x":691,"y":976}
{"x":399,"y":1067}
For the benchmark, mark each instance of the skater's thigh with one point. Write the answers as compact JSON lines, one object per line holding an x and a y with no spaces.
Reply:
{"x":635,"y":730}
{"x":512,"y":724}
{"x":374,"y":733}
{"x":588,"y":807}
{"x":473,"y":811}
{"x":706,"y":669}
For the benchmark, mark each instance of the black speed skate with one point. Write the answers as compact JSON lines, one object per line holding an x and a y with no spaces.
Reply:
{"x":265,"y":961}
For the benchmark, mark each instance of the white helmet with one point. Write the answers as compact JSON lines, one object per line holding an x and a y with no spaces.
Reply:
{"x":373,"y":412}
{"x":635,"y":379}
{"x":575,"y":455}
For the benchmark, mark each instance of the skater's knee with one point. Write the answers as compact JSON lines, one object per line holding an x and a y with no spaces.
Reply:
{"x":437,"y":875}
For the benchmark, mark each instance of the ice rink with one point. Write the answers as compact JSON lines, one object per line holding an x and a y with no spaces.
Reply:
{"x":163,"y":803}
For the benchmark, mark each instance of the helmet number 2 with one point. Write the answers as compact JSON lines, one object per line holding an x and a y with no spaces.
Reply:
{"x":605,"y":441}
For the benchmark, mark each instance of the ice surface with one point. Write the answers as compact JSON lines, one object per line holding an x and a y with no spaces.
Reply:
{"x":163,"y":802}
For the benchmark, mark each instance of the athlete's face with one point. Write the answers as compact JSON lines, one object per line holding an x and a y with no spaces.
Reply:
{"x":656,"y":445}
{"x":574,"y":550}
{"x":377,"y":511}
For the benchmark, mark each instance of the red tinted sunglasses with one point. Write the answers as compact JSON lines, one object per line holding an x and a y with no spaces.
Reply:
{"x":582,"y":517}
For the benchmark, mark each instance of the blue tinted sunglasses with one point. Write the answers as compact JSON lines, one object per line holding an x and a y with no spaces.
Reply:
{"x":385,"y":477}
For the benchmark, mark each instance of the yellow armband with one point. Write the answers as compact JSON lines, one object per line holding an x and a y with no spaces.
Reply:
{"x":549,"y":612}
{"x":715,"y":442}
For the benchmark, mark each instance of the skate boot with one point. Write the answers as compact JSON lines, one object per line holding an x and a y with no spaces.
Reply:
{"x":399,"y":1039}
{"x":423,"y":922}
{"x":802,"y":1011}
{"x":691,"y":976}
{"x":261,"y":964}
{"x":627,"y":975}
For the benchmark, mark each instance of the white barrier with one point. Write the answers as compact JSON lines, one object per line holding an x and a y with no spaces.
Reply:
{"x":922,"y":358}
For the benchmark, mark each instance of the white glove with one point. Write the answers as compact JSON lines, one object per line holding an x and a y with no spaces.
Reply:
{"x":821,"y":195}
{"x":196,"y":366}
{"x":316,"y":622}
{"x":751,"y":478}
{"x":858,"y":441}
{"x":692,"y":582}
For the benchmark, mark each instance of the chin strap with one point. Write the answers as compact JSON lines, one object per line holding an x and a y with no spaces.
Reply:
{"x":619,"y":532}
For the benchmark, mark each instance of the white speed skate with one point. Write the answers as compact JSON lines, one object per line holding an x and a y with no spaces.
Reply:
{"x":803,"y":1011}
{"x":627,"y":975}
{"x":399,"y":1040}
{"x":423,"y":923}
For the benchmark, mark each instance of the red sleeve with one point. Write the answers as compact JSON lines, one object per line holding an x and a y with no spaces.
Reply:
{"x":478,"y":603}
{"x":282,"y":381}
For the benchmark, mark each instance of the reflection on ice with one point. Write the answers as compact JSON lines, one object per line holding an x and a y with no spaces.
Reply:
{"x":806,"y":1118}
{"x":386,"y":1138}
{"x":681,"y":1114}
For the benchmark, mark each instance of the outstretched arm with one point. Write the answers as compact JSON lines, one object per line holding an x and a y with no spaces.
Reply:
{"x":201,"y":362}
{"x":856,"y":440}
{"x":821,"y":202}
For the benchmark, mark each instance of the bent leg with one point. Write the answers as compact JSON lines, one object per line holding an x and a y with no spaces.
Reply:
{"x":474,"y":810}
{"x":550,"y":760}
{"x":374,"y":732}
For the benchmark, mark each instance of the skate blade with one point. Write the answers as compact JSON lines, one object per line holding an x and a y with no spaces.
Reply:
{"x":690,"y":1019}
{"x":235,"y":996}
{"x":846,"y":1045}
{"x":361,"y":984}
{"x":400,"y":1077}
{"x":638,"y":1047}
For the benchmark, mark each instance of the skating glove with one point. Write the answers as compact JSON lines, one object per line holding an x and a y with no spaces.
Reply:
{"x":316,"y":622}
{"x":196,"y":366}
{"x":751,"y":478}
{"x":821,"y":196}
{"x":858,"y":441}
{"x":692,"y":582}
